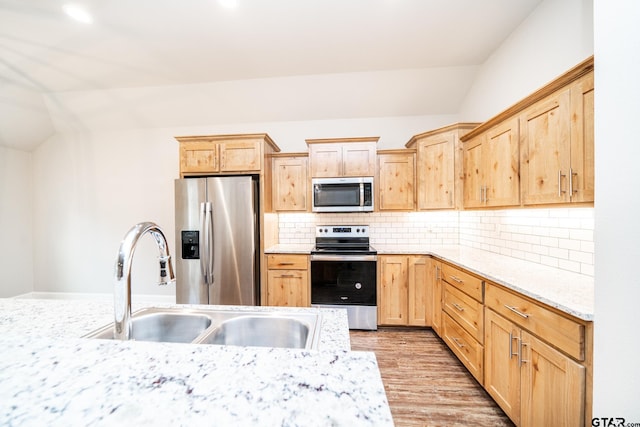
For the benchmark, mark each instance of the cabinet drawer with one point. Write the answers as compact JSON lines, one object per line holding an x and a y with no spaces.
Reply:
{"x":467,"y":349}
{"x":467,"y":283}
{"x":559,"y":331}
{"x":287,"y":262}
{"x":465,"y":310}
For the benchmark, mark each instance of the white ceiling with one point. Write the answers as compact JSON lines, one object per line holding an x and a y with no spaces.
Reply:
{"x":144,"y":43}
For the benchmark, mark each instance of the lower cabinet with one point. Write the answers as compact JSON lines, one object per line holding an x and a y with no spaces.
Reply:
{"x":404,"y":290}
{"x":435,"y":275}
{"x":288,"y":280}
{"x":534,"y":383}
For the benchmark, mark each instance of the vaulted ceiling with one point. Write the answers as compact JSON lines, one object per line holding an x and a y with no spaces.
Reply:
{"x":431,"y":46}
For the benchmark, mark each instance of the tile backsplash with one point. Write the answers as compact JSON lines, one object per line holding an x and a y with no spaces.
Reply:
{"x":561,"y":238}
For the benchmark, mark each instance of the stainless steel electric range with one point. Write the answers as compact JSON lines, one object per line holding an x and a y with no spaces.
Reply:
{"x":343,"y":273}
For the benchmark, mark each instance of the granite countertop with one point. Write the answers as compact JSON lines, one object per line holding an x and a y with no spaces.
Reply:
{"x":49,"y":375}
{"x":569,"y":292}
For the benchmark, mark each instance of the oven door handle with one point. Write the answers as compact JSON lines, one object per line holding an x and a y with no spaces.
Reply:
{"x":329,"y":257}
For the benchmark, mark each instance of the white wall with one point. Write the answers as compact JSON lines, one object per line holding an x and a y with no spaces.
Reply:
{"x":617,"y":209}
{"x":16,"y":210}
{"x":554,"y":38}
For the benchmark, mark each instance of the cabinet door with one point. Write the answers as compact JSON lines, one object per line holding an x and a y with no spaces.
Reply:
{"x":290,"y":184}
{"x":198,"y":157}
{"x":553,"y":386}
{"x":436,"y":172}
{"x":325,"y":160}
{"x":396,"y":181}
{"x":288,"y":288}
{"x":436,"y":280}
{"x":545,"y":150}
{"x":501,"y":370}
{"x":501,"y":165}
{"x":359,"y":159}
{"x":240,"y":156}
{"x":392,"y":292}
{"x":473,"y":195}
{"x":582,"y":154}
{"x":419,"y":291}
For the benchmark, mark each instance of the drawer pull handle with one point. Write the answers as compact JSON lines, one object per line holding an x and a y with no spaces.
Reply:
{"x":286,"y":276}
{"x":458,"y":307}
{"x":457,"y":342}
{"x":285,"y":263}
{"x":456,"y":279}
{"x":516,"y":311}
{"x":511,"y":338}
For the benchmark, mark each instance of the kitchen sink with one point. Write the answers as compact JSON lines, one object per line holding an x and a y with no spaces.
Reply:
{"x":162,"y":327}
{"x":288,"y":329}
{"x":260,"y":331}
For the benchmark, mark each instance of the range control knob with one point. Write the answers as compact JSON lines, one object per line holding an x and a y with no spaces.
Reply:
{"x":358,"y":285}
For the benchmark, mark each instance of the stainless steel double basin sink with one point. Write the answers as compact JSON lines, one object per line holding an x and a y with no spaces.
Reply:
{"x":224,"y":327}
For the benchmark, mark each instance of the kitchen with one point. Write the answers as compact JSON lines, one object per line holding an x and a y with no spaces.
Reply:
{"x":69,"y":192}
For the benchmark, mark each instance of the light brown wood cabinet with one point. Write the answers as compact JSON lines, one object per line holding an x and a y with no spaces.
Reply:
{"x":203,"y":155}
{"x":395,"y":187}
{"x":557,"y":146}
{"x":338,"y":157}
{"x":436,"y":299}
{"x":528,"y":367}
{"x":290,"y":183}
{"x":439,"y":161}
{"x":463,"y":317}
{"x":288,"y":280}
{"x":539,"y":151}
{"x":492,"y":167}
{"x":404,"y":290}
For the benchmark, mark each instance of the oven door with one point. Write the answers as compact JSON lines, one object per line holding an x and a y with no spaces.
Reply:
{"x":343,"y":280}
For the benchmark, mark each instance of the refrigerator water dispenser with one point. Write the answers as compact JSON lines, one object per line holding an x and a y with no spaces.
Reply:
{"x":190,"y":245}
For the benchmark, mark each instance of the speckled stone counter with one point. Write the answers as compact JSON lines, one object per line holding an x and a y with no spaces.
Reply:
{"x":50,"y":376}
{"x":289,"y":248}
{"x":569,"y":292}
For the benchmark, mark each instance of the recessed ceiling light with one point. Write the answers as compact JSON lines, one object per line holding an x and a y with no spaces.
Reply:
{"x":77,"y":13}
{"x":228,"y":3}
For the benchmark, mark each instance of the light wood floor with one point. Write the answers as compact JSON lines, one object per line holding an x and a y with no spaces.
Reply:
{"x":426,"y":385}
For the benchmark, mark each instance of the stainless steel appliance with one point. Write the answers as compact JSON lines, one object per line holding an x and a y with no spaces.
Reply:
{"x":343,"y":273}
{"x":217,"y":232}
{"x":351,"y":194}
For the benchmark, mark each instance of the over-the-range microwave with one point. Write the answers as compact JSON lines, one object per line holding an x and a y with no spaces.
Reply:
{"x":349,"y":194}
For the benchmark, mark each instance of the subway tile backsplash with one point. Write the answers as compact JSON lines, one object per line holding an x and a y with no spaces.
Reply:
{"x":559,"y":237}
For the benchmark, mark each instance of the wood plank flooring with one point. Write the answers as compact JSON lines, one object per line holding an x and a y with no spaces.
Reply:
{"x":425,"y":383}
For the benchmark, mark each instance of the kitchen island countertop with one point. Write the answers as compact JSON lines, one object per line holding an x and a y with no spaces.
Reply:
{"x":49,"y":375}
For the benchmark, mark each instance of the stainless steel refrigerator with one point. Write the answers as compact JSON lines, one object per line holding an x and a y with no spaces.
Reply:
{"x":217,"y":246}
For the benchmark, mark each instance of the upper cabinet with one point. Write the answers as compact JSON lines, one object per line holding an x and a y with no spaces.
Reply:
{"x":290,"y":182}
{"x":396,"y":180}
{"x":557,"y":146}
{"x":342,"y":157}
{"x":491,"y":166}
{"x":204,"y":155}
{"x":439,"y":168}
{"x":539,"y":151}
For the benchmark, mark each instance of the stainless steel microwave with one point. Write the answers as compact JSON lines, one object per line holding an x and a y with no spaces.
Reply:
{"x":354,"y":194}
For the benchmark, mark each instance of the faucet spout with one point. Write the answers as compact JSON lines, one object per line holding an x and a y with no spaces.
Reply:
{"x":122,"y":290}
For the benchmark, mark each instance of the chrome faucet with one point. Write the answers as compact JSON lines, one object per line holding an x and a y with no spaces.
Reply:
{"x":122,"y":292}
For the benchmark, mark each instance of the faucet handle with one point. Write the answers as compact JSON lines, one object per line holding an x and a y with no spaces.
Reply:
{"x":166,"y":271}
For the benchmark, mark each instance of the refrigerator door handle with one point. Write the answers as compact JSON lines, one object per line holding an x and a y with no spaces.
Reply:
{"x":206,"y":242}
{"x":203,"y":242}
{"x":210,"y":243}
